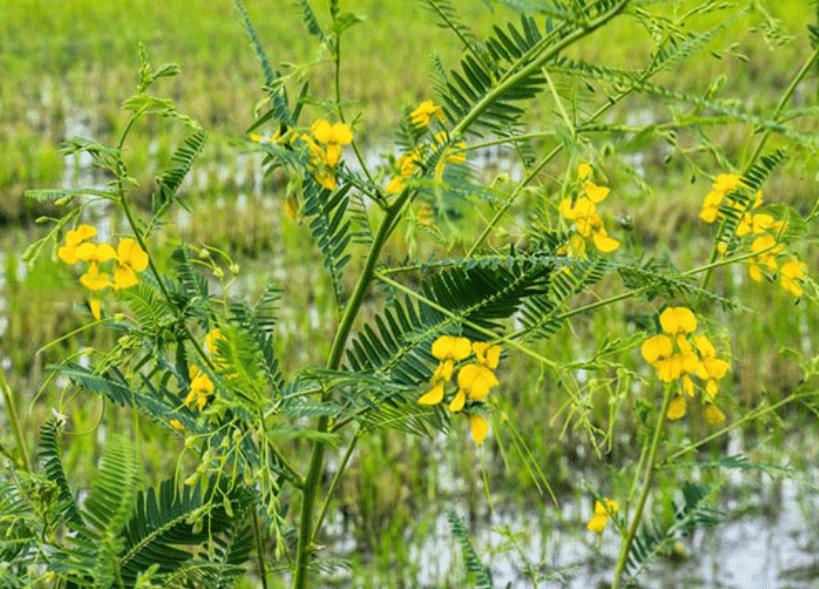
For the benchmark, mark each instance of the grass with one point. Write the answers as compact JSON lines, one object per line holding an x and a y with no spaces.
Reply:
{"x":63,"y":67}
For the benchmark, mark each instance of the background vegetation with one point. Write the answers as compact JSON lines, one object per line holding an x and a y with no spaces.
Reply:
{"x":68,"y":66}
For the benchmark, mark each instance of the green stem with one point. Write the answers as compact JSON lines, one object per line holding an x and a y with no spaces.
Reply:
{"x":625,"y":547}
{"x":531,"y":67}
{"x":312,"y":481}
{"x":748,"y":417}
{"x":334,"y":484}
{"x":259,"y":548}
{"x":14,"y":422}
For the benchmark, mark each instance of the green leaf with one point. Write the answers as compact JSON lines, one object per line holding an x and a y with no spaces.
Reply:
{"x":344,"y":21}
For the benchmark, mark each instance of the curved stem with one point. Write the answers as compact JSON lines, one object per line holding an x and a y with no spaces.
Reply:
{"x":334,"y":484}
{"x":625,"y":547}
{"x":14,"y":421}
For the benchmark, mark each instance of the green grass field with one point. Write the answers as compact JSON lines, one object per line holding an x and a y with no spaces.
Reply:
{"x":66,"y":67}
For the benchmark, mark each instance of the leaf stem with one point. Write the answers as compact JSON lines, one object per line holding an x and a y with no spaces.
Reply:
{"x":312,"y":481}
{"x":14,"y":422}
{"x":625,"y":547}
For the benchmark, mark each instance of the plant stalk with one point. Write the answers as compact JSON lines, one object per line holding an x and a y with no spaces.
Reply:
{"x":312,"y":481}
{"x":649,"y":472}
{"x":14,"y":422}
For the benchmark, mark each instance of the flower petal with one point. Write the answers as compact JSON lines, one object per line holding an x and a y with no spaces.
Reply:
{"x":677,"y":407}
{"x":479,"y":427}
{"x":434,"y":396}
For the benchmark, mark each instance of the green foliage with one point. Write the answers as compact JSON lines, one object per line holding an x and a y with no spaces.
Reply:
{"x":197,"y":361}
{"x":693,"y":512}
{"x":483,"y":576}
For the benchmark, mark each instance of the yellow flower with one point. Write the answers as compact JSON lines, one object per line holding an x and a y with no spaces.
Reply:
{"x":726,"y":183}
{"x":211,"y":338}
{"x":448,"y":347}
{"x":583,"y":213}
{"x":575,"y":248}
{"x":792,"y":271}
{"x":596,"y":193}
{"x":131,"y":258}
{"x":765,"y":245}
{"x":406,"y":164}
{"x":658,"y":351}
{"x":712,"y":413}
{"x":421,"y":116}
{"x":434,"y":396}
{"x":602,"y":511}
{"x":201,"y":389}
{"x":291,"y":206}
{"x":487,"y":354}
{"x":677,"y":407}
{"x":678,"y":320}
{"x":73,"y":239}
{"x":93,"y":279}
{"x":584,"y":171}
{"x":336,"y":135}
{"x":475,"y":380}
{"x":710,"y":207}
{"x":177,"y":425}
{"x":94,"y":304}
{"x":581,"y":209}
{"x":710,"y":367}
{"x":479,"y":427}
{"x":603,"y":242}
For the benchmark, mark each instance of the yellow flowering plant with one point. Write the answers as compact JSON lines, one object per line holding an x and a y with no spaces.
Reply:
{"x":522,"y":270}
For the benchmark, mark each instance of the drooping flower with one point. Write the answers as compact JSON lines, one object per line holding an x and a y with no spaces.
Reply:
{"x":94,"y":304}
{"x":479,"y":427}
{"x":582,"y":210}
{"x":602,"y":511}
{"x":474,"y":380}
{"x":131,"y":258}
{"x":422,"y":114}
{"x":73,"y":240}
{"x":672,"y":354}
{"x":765,"y":249}
{"x":448,"y":349}
{"x":201,"y":389}
{"x":323,"y":160}
{"x":791,"y":273}
{"x":213,"y":336}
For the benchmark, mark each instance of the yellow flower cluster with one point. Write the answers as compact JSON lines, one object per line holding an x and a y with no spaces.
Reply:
{"x":325,"y":145}
{"x":725,"y":185}
{"x":683,"y":362}
{"x":474,"y":380}
{"x":763,"y":227}
{"x":407,"y":163}
{"x":602,"y":511}
{"x":583,"y":211}
{"x":129,"y":256}
{"x":201,"y":385}
{"x":421,"y":116}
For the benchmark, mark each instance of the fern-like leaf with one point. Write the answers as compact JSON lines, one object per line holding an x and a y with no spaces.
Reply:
{"x":49,"y":456}
{"x":483,"y":575}
{"x":170,"y":180}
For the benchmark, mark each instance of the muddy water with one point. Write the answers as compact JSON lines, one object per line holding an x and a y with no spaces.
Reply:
{"x":768,"y":539}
